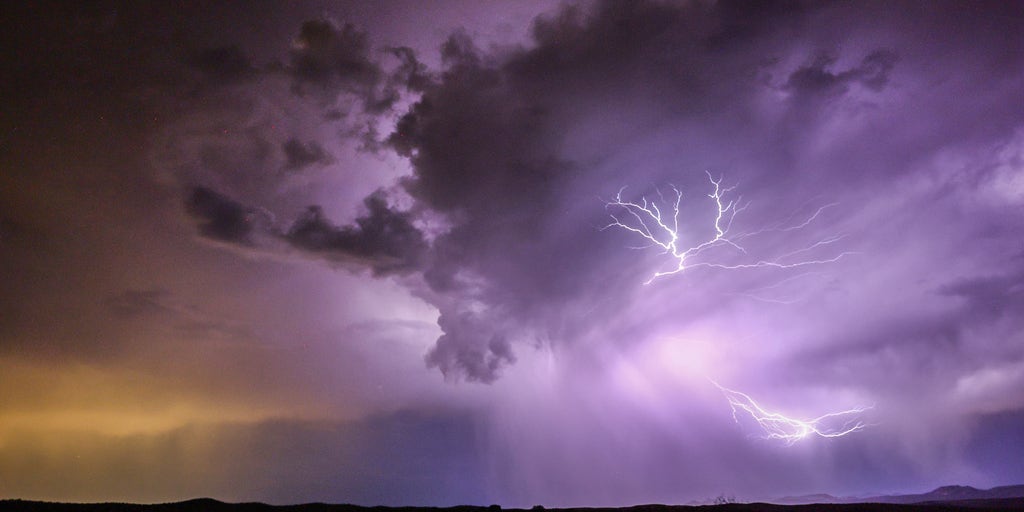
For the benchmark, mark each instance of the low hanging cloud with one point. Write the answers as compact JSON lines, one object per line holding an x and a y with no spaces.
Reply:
{"x":411,"y":73}
{"x":819,"y":78}
{"x":219,"y":217}
{"x":382,"y":239}
{"x":334,"y":59}
{"x":460,"y":351}
{"x":331,"y":60}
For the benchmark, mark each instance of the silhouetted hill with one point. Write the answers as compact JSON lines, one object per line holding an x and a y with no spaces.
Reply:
{"x":211,"y":505}
{"x":959,"y":494}
{"x":950,"y":493}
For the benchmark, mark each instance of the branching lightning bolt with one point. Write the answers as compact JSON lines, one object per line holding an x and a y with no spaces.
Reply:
{"x":790,"y":430}
{"x":658,"y":224}
{"x":661,"y":229}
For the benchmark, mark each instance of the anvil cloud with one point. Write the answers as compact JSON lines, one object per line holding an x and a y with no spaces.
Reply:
{"x":355,"y":253}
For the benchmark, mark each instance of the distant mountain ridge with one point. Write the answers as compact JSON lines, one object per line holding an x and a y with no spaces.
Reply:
{"x":952,"y":493}
{"x":944,"y":494}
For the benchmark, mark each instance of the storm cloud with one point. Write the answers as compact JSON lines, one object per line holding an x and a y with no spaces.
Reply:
{"x":382,"y":239}
{"x":220,"y":217}
{"x":361,"y":243}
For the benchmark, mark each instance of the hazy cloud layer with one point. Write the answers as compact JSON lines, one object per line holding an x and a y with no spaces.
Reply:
{"x":238,"y":462}
{"x":382,"y":239}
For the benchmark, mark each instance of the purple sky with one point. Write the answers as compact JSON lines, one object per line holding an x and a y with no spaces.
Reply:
{"x":353,"y":251}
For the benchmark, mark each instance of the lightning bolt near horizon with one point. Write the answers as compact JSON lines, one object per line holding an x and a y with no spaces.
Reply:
{"x":790,"y":430}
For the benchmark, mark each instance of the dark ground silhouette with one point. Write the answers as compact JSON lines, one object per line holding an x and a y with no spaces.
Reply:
{"x":205,"y":504}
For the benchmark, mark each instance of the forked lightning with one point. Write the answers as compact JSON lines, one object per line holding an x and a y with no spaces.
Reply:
{"x":790,"y":430}
{"x":661,"y":229}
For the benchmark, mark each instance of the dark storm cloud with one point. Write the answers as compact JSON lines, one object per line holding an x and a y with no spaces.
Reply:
{"x":486,"y":146}
{"x":220,"y":217}
{"x":334,"y":57}
{"x":490,"y":141}
{"x":384,"y":239}
{"x":989,"y":296}
{"x":482,"y":154}
{"x":332,"y":60}
{"x":470,"y":357}
{"x":818,"y":77}
{"x":335,"y":60}
{"x":739,"y":22}
{"x":506,"y":143}
{"x":411,"y":73}
{"x":299,"y":155}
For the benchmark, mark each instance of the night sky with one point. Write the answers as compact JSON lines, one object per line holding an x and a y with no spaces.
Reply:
{"x":366,"y":252}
